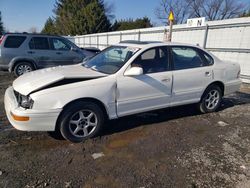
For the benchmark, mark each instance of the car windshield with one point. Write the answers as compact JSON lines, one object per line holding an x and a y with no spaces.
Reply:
{"x":111,"y":59}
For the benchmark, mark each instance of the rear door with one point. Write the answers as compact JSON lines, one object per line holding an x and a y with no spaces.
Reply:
{"x":191,"y":74}
{"x":64,"y":53}
{"x":39,"y":49}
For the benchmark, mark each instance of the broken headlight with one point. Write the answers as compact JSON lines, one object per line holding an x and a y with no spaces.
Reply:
{"x":26,"y":102}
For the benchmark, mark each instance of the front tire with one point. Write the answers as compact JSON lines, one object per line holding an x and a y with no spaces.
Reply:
{"x":81,"y":121}
{"x":22,"y":68}
{"x":211,"y":99}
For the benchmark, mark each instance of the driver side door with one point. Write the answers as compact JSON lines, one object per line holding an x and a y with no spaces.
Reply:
{"x":149,"y":91}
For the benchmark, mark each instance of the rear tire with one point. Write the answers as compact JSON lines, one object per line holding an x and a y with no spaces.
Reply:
{"x":211,"y":99}
{"x":81,"y":121}
{"x":22,"y":68}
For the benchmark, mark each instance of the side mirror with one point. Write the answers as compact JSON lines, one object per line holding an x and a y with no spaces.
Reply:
{"x":134,"y":71}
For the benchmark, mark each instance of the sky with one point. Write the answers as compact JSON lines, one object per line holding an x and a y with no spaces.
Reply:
{"x":22,"y":15}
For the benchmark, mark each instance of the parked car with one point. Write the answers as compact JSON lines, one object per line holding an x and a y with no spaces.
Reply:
{"x":21,"y":53}
{"x":128,"y":78}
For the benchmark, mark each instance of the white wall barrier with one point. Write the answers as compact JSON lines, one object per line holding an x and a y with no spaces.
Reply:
{"x":227,"y":39}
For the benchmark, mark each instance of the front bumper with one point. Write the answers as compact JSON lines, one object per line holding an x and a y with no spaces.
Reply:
{"x":38,"y":120}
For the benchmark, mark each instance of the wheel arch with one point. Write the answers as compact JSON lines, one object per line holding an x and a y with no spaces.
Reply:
{"x":201,"y":106}
{"x":220,"y":84}
{"x":14,"y":63}
{"x":88,"y":99}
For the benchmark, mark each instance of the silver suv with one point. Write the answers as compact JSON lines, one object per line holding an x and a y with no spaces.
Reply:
{"x":21,"y":53}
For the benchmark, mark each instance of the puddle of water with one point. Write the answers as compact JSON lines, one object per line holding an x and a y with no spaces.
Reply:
{"x":124,"y":139}
{"x":118,"y":144}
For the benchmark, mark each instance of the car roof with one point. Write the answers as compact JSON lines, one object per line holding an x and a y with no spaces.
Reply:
{"x":148,"y":44}
{"x":32,"y":34}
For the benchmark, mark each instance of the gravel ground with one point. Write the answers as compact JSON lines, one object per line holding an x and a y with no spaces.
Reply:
{"x":177,"y":147}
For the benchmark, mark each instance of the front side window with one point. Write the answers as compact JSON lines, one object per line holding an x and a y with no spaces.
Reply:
{"x":186,"y":58}
{"x":39,"y":43}
{"x":152,"y":61}
{"x":14,"y":41}
{"x":58,"y":44}
{"x":111,"y":60}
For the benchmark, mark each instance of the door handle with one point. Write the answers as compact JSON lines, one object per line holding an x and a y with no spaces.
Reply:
{"x":166,"y":80}
{"x":59,"y":53}
{"x":30,"y":52}
{"x":207,"y":73}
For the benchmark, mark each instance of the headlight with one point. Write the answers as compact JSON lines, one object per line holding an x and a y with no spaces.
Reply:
{"x":26,"y":102}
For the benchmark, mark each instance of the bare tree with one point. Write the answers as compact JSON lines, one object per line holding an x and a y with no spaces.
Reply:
{"x":211,"y":9}
{"x":179,"y":7}
{"x":232,"y":9}
{"x":195,"y":8}
{"x":33,"y":30}
{"x":216,"y":9}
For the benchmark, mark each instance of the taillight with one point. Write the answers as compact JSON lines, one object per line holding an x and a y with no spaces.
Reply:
{"x":1,"y":39}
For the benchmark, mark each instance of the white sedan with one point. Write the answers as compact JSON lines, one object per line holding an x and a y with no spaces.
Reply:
{"x":128,"y":78}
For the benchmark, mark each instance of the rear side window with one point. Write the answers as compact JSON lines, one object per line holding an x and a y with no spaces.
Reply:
{"x":14,"y":41}
{"x":39,"y":43}
{"x":186,"y":58}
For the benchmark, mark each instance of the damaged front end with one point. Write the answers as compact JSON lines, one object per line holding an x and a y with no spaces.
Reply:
{"x":64,"y":81}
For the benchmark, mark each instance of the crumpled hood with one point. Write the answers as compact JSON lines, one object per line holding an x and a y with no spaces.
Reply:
{"x":36,"y":80}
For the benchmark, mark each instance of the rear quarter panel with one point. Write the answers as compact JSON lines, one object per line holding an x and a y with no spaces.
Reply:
{"x":228,"y":73}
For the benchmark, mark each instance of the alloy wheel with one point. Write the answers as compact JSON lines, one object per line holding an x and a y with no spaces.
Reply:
{"x":83,"y":123}
{"x":23,"y":69}
{"x":212,"y":99}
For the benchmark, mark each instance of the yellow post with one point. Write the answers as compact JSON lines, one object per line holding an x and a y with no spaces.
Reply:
{"x":171,"y":22}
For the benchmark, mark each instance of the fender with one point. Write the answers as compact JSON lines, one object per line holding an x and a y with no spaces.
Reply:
{"x":19,"y":59}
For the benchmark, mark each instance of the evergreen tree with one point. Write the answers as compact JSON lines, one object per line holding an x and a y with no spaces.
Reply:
{"x":1,"y":25}
{"x":78,"y":17}
{"x":132,"y":24}
{"x":49,"y":27}
{"x":245,"y":14}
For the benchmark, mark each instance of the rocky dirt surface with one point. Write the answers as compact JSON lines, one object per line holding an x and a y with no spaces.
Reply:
{"x":177,"y":147}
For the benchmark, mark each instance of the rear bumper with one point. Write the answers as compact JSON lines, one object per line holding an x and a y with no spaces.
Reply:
{"x":232,"y":86}
{"x":37,"y":120}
